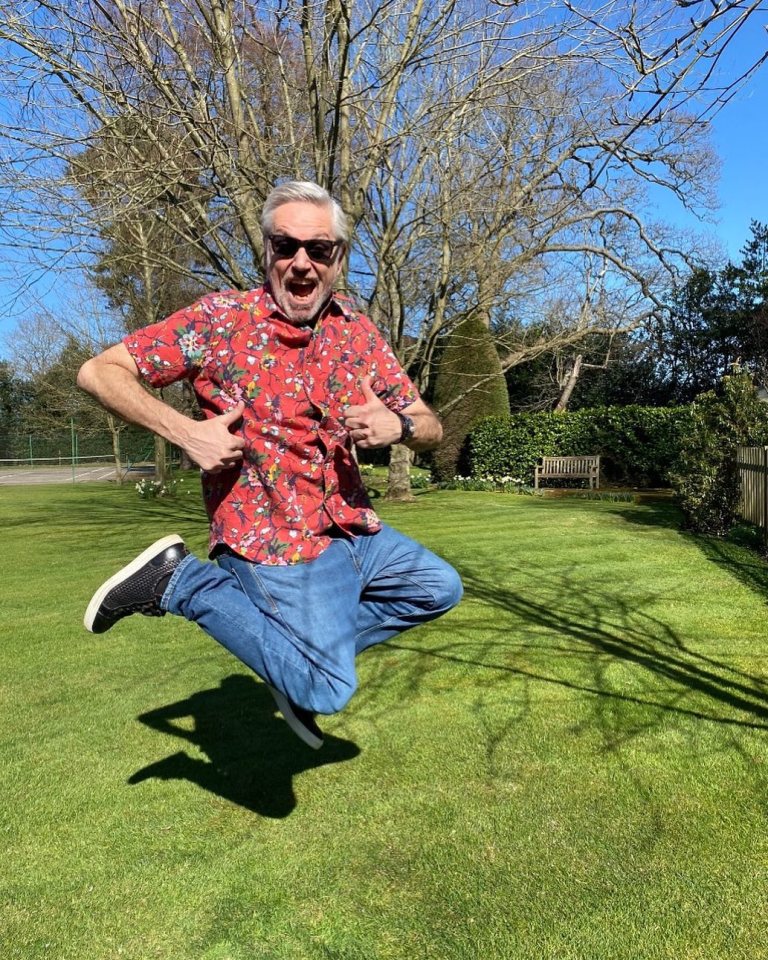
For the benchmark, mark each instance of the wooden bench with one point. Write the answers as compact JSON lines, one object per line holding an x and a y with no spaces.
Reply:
{"x":569,"y":468}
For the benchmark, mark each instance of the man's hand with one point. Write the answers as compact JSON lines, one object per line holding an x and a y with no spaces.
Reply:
{"x":372,"y":424}
{"x":211,"y":444}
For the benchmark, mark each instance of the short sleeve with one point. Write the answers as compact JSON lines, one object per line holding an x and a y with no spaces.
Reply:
{"x":389,"y":381}
{"x":174,"y":348}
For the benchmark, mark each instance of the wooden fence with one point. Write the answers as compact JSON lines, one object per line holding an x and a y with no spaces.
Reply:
{"x":753,"y":485}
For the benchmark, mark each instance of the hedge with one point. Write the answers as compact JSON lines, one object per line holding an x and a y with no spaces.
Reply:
{"x":637,"y":445}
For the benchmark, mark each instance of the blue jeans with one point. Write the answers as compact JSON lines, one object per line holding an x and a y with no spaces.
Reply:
{"x":300,"y":627}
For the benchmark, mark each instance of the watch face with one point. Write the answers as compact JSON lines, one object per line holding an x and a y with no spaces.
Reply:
{"x":407,"y":431}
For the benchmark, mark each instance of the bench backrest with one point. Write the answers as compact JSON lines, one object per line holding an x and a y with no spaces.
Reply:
{"x":572,"y":465}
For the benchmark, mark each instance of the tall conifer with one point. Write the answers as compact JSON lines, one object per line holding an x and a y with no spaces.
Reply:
{"x":469,"y":385}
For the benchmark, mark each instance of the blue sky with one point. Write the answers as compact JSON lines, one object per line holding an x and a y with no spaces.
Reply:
{"x":740,"y":137}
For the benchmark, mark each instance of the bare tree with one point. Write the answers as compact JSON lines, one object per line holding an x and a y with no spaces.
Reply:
{"x":493,"y":155}
{"x":140,"y":282}
{"x":45,"y":353}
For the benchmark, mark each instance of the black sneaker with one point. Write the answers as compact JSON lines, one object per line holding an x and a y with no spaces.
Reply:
{"x":136,"y":588}
{"x":301,"y":721}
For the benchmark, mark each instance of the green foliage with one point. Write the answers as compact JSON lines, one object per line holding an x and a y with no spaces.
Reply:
{"x":706,"y":478}
{"x":469,"y":385}
{"x":55,"y":397}
{"x":420,"y":480}
{"x":715,"y":319}
{"x":637,"y":445}
{"x":512,"y":445}
{"x":15,"y":395}
{"x":632,"y":375}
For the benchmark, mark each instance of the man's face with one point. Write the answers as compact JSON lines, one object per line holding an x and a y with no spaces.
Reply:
{"x":302,"y":286}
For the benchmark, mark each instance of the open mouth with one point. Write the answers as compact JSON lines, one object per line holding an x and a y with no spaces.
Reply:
{"x":300,"y":290}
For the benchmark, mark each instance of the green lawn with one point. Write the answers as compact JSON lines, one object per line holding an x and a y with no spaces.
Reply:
{"x":572,"y":764}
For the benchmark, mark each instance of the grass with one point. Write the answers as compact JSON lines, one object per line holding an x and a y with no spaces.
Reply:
{"x":572,"y":764}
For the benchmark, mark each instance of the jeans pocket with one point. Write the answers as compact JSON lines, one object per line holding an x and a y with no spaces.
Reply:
{"x":253,"y":586}
{"x":261,"y":586}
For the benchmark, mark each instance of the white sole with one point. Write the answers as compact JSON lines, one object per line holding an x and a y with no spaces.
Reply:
{"x":98,"y":598}
{"x":284,"y":706}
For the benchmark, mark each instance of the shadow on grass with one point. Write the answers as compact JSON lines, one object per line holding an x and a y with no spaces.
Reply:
{"x":580,"y":635}
{"x":651,"y":513}
{"x":740,"y":554}
{"x":252,"y":754}
{"x":82,"y":507}
{"x":164,"y":511}
{"x":740,"y":559}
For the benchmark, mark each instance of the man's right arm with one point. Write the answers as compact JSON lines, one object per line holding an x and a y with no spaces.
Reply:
{"x":113,"y":379}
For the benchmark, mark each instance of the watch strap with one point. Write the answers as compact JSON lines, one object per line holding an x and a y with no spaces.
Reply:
{"x":406,"y":427}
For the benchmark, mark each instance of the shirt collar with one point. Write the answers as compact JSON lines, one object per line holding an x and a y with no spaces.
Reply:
{"x":338,"y":305}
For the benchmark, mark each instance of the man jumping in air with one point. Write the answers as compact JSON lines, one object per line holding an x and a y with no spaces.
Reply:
{"x":289,"y":378}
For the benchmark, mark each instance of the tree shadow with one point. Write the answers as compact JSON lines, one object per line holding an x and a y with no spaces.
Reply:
{"x":178,"y":509}
{"x":83,"y":508}
{"x":572,"y":637}
{"x":253,"y":755}
{"x":742,"y":562}
{"x":741,"y":554}
{"x":651,"y":513}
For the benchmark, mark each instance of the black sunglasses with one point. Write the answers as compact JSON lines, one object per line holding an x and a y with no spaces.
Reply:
{"x":321,"y":251}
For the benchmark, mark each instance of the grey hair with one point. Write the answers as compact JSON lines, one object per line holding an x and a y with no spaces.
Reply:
{"x":302,"y":191}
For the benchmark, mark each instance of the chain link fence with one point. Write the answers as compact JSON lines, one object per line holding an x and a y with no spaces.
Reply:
{"x":73,"y":445}
{"x":68,"y":444}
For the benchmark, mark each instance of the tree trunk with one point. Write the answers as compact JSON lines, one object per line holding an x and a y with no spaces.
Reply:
{"x":399,"y":479}
{"x":570,"y":383}
{"x":161,"y":465}
{"x":114,"y":431}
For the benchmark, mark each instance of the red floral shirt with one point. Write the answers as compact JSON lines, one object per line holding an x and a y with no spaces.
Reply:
{"x":298,"y":476}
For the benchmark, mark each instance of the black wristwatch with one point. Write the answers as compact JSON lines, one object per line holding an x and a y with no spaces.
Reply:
{"x":406,"y":427}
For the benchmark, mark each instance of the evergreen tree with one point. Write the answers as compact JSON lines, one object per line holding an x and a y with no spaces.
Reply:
{"x":469,"y":385}
{"x":717,"y":318}
{"x":750,"y":281}
{"x":15,"y":397}
{"x":629,"y":375}
{"x":699,"y":337}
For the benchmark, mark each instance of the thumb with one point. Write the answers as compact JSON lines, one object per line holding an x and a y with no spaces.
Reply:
{"x":367,"y":389}
{"x":233,"y":415}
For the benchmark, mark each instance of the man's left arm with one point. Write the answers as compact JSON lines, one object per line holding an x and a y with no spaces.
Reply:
{"x":372,"y":424}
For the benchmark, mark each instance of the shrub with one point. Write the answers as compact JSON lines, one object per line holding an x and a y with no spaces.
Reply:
{"x":637,"y":445}
{"x":420,"y":480}
{"x":706,"y":477}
